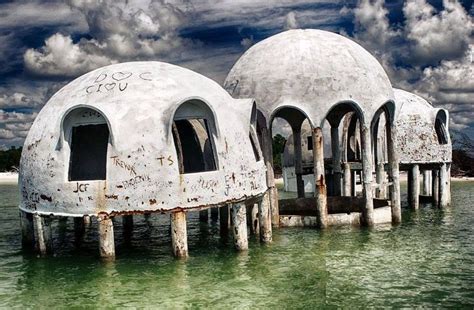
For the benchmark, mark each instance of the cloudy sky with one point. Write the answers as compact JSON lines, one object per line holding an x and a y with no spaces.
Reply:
{"x":426,"y":46}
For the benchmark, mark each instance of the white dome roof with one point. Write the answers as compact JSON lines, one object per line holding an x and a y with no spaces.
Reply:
{"x":312,"y":70}
{"x":417,"y":138}
{"x":139,"y":101}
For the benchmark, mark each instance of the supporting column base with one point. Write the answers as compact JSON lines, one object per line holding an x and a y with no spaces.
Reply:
{"x":239,"y":218}
{"x":106,"y":237}
{"x":179,"y":235}
{"x":265,"y":220}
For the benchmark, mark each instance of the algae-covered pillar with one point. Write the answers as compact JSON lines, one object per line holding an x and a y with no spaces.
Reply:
{"x":138,"y":138}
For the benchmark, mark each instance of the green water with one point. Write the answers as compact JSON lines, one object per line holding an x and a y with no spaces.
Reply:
{"x":428,"y":261}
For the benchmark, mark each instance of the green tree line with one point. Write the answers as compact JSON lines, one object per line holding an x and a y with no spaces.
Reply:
{"x":10,"y":159}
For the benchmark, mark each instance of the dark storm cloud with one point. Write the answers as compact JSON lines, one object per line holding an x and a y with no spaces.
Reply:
{"x":424,"y":48}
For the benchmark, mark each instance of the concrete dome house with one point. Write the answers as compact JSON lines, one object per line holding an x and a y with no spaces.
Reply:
{"x":322,"y":77}
{"x":136,"y":138}
{"x":424,"y":146}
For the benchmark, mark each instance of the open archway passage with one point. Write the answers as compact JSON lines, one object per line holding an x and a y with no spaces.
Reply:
{"x":194,"y":148}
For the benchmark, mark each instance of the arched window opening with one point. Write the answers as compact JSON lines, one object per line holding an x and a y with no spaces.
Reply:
{"x":192,"y":130}
{"x":87,"y":134}
{"x":255,"y":145}
{"x":441,"y":131}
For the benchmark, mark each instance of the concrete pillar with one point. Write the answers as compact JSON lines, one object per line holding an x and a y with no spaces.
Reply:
{"x":79,"y":229}
{"x":239,"y":218}
{"x":368,"y":209}
{"x":87,"y":220}
{"x":298,"y":159}
{"x":106,"y":237}
{"x":336,"y":161}
{"x":426,"y":182}
{"x":214,"y":214}
{"x":204,"y":216}
{"x":254,"y":223}
{"x":27,"y":229}
{"x":127,"y":222}
{"x":179,"y":235}
{"x":43,"y":232}
{"x":272,"y":191}
{"x":435,"y":184}
{"x":381,"y":180}
{"x":320,"y":181}
{"x":393,"y":173}
{"x":224,"y":220}
{"x":449,"y":183}
{"x":347,"y":180}
{"x":444,"y":186}
{"x":353,"y":183}
{"x":414,"y":187}
{"x":265,"y":220}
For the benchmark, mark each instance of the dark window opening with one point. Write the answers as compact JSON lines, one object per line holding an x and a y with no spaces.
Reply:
{"x":193,"y":146}
{"x":441,"y":132}
{"x":88,"y":152}
{"x":310,"y":143}
{"x":254,"y":148}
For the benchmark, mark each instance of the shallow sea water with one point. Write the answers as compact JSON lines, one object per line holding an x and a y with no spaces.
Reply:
{"x":427,"y":261}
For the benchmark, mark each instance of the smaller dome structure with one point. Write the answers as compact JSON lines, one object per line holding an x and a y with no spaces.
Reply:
{"x":422,"y":130}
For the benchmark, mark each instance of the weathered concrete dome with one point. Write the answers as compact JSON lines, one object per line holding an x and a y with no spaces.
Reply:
{"x":140,"y":136}
{"x":312,"y":70}
{"x":422,"y":130}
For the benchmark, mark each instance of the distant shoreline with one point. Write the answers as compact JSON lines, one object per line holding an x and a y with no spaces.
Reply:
{"x":8,"y":178}
{"x":12,"y":178}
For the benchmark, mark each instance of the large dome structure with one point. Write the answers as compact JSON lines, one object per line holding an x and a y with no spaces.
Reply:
{"x":312,"y":70}
{"x":141,"y":137}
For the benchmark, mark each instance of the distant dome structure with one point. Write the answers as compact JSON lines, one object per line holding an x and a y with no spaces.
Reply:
{"x":424,"y":146}
{"x":141,"y":137}
{"x":423,"y":131}
{"x":322,"y":77}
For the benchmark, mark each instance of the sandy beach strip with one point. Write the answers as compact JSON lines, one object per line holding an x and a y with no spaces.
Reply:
{"x":8,"y":178}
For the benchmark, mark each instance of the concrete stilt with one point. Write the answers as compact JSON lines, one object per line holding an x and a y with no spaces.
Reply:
{"x":239,"y":218}
{"x":381,"y":179}
{"x":427,"y":182}
{"x":393,"y":173}
{"x":106,"y":237}
{"x":449,"y":183}
{"x":353,"y":183}
{"x":444,"y":186}
{"x":265,"y":220}
{"x":254,"y":223}
{"x":214,"y":214}
{"x":127,"y":222}
{"x":414,"y":187}
{"x":224,"y":221}
{"x":298,"y":160}
{"x":204,"y":216}
{"x":435,"y":189}
{"x":179,"y":236}
{"x":347,"y":180}
{"x":272,"y":190}
{"x":336,"y":161}
{"x":319,"y":172}
{"x":79,"y":229}
{"x":87,"y":220}
{"x":27,"y":229}
{"x":43,"y":232}
{"x":368,"y":209}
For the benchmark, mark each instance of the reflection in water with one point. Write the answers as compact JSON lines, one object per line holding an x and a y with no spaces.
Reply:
{"x":424,"y":262}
